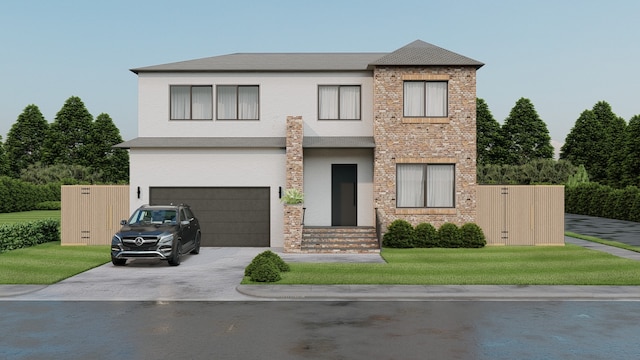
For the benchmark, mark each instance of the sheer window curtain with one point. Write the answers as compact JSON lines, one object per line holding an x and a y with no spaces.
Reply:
{"x":440,"y":185}
{"x":180,"y":102}
{"x":248,"y":102}
{"x":410,"y":185}
{"x":414,"y":98}
{"x":350,"y":102}
{"x":201,"y":102}
{"x":328,"y":102}
{"x":226,"y":102}
{"x":436,"y":96}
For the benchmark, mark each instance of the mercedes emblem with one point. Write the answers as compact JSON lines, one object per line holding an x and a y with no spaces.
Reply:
{"x":139,"y":241}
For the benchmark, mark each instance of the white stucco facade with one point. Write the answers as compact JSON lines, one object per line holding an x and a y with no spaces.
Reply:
{"x":210,"y":168}
{"x":280,"y":95}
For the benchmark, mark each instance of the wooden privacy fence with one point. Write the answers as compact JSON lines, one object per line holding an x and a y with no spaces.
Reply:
{"x":521,"y":215}
{"x":508,"y":215}
{"x":90,"y":215}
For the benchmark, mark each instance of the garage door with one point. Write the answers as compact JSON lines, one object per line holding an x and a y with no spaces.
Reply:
{"x":229,"y":216}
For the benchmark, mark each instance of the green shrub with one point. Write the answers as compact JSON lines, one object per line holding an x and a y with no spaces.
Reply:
{"x":426,"y":236}
{"x":604,"y":201}
{"x":268,"y":255}
{"x":449,"y":236}
{"x":400,"y":234}
{"x":264,"y":270}
{"x":17,"y":195}
{"x":21,"y":235}
{"x":472,"y":236}
{"x":48,"y":205}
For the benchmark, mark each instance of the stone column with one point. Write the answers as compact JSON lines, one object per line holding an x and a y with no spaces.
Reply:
{"x":294,"y":180}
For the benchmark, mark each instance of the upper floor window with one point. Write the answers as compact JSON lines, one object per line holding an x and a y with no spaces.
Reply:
{"x":191,"y":102}
{"x":238,"y":102}
{"x":339,"y":102}
{"x":425,"y":185}
{"x":425,"y":99}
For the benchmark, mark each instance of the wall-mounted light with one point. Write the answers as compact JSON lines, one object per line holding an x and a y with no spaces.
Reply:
{"x":279,"y":192}
{"x":138,"y":192}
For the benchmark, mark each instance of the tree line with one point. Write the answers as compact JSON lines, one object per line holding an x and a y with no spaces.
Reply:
{"x":75,"y":148}
{"x":601,"y":147}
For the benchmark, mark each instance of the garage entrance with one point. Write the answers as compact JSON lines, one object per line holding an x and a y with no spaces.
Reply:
{"x":229,"y":216}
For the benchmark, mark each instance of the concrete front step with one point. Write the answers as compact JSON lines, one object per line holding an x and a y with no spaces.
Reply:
{"x":339,"y":239}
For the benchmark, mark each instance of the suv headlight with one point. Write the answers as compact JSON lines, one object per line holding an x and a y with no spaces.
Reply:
{"x":115,"y":240}
{"x":166,"y":240}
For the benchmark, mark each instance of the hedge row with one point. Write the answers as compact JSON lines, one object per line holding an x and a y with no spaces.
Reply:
{"x":21,"y":235}
{"x":594,"y":199}
{"x":17,"y":195}
{"x":401,"y":234}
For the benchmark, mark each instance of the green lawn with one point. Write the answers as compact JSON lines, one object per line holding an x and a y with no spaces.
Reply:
{"x":11,"y":218}
{"x":562,"y":265}
{"x":49,"y":263}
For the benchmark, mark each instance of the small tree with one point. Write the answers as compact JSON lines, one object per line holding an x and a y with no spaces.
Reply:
{"x":113,"y":163}
{"x":489,"y":140}
{"x":526,"y":136}
{"x":69,"y":134}
{"x":25,"y":140}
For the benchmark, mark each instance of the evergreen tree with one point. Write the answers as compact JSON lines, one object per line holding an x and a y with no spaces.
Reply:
{"x":69,"y":134}
{"x":112,"y":162}
{"x":488,"y":137}
{"x":4,"y":163}
{"x":581,"y":146}
{"x":631,"y":162}
{"x":526,"y":136}
{"x":24,"y":145}
{"x":611,"y":144}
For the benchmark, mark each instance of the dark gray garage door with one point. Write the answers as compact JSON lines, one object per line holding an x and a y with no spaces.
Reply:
{"x":229,"y":216}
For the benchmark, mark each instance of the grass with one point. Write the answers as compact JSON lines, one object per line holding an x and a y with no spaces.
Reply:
{"x":49,"y":263}
{"x":562,"y":265}
{"x":12,"y":218}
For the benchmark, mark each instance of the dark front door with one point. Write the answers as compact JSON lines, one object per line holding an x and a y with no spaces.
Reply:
{"x":344,"y":192}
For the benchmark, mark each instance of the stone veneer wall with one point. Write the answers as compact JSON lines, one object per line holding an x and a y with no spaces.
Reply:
{"x":294,"y":180}
{"x":425,"y":140}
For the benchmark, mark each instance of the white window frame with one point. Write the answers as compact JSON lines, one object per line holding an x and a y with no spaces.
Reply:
{"x":419,"y":185}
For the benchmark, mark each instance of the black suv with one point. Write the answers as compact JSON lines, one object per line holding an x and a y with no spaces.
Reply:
{"x":159,"y":231}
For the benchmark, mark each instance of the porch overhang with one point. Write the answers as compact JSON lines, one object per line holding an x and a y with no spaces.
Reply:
{"x":204,"y":142}
{"x":338,"y":142}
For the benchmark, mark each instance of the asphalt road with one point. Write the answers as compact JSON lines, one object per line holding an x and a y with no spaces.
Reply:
{"x":319,"y":330}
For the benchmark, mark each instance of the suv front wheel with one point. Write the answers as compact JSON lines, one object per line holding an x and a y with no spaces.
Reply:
{"x":174,"y":260}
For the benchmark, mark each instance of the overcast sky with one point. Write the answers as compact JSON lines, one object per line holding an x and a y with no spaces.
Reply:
{"x":563,"y":55}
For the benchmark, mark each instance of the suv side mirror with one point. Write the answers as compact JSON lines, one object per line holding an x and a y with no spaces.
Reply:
{"x":185,"y":222}
{"x":123,"y":222}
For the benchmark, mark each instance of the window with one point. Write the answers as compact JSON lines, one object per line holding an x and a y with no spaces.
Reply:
{"x":191,"y":102}
{"x":339,"y":102}
{"x":425,"y":185}
{"x":425,"y":99}
{"x":238,"y":102}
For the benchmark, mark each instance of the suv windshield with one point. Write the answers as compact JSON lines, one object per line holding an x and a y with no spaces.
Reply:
{"x":153,"y":216}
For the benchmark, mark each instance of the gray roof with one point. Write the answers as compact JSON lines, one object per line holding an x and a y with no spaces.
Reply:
{"x":344,"y":142}
{"x":415,"y":53}
{"x":422,"y":53}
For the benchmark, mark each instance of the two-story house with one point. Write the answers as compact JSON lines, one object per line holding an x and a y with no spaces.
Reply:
{"x":368,"y":137}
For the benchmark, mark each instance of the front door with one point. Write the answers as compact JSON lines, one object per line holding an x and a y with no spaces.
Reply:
{"x":344,"y":193}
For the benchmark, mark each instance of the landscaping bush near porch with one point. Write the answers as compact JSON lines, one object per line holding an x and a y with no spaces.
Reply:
{"x":401,"y":234}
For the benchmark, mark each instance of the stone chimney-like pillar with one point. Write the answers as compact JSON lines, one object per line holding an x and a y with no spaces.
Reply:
{"x":294,"y":180}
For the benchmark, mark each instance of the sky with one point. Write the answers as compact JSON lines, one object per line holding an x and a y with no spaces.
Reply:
{"x":563,"y":55}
